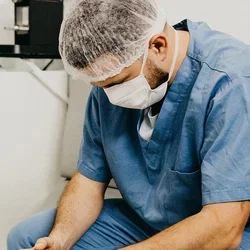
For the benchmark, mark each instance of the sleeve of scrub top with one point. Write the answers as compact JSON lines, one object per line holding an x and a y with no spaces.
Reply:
{"x":226,"y":149}
{"x":92,"y":162}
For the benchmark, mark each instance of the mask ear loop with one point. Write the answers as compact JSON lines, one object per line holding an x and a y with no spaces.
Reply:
{"x":145,"y":57}
{"x":177,"y":47}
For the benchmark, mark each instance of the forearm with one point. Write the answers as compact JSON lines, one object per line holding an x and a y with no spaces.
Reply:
{"x":201,"y":231}
{"x":77,"y":210}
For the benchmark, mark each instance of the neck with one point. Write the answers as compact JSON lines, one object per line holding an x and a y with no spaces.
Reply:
{"x":184,"y":43}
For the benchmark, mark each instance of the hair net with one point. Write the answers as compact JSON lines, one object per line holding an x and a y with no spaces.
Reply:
{"x":99,"y":38}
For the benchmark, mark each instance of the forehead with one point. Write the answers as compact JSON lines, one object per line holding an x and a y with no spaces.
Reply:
{"x":126,"y":74}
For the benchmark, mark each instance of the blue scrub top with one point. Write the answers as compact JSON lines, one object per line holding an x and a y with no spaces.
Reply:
{"x":199,"y":152}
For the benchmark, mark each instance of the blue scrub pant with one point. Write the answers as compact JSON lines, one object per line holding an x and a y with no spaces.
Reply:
{"x":117,"y":226}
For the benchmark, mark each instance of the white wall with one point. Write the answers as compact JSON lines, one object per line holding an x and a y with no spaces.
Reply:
{"x":6,"y":20}
{"x":31,"y":128}
{"x":232,"y":17}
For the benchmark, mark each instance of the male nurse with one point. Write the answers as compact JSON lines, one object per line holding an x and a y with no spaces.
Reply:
{"x":169,"y":119}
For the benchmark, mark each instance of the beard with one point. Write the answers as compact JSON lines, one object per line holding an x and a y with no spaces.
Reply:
{"x":156,"y":75}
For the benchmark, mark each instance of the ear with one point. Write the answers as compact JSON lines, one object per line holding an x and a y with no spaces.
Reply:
{"x":158,"y":45}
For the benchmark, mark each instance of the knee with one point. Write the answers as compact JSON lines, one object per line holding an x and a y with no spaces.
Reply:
{"x":18,"y":238}
{"x":26,"y":233}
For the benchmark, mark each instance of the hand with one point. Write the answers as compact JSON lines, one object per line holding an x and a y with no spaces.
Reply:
{"x":45,"y":243}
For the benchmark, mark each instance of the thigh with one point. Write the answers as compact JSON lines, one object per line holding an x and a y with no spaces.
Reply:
{"x":25,"y":234}
{"x":117,"y":226}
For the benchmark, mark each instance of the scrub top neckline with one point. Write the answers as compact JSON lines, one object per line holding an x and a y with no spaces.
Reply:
{"x":178,"y":89}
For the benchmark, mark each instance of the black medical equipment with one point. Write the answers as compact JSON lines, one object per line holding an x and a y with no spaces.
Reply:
{"x":37,"y":27}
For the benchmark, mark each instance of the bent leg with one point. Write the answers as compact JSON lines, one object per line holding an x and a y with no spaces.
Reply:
{"x":26,"y":233}
{"x":117,"y":226}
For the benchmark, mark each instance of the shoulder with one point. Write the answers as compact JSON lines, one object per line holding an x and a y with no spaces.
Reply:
{"x":219,"y":52}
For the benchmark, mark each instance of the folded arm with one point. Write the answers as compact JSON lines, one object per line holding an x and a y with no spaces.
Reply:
{"x":217,"y":226}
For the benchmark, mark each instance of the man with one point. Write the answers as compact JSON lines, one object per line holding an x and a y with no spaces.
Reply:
{"x":169,"y":119}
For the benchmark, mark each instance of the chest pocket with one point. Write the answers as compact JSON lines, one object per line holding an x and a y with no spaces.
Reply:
{"x":184,"y":197}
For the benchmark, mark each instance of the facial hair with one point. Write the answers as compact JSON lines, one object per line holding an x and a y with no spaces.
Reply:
{"x":155,"y":75}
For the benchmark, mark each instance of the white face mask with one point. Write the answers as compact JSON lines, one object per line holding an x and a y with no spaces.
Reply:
{"x":136,"y":93}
